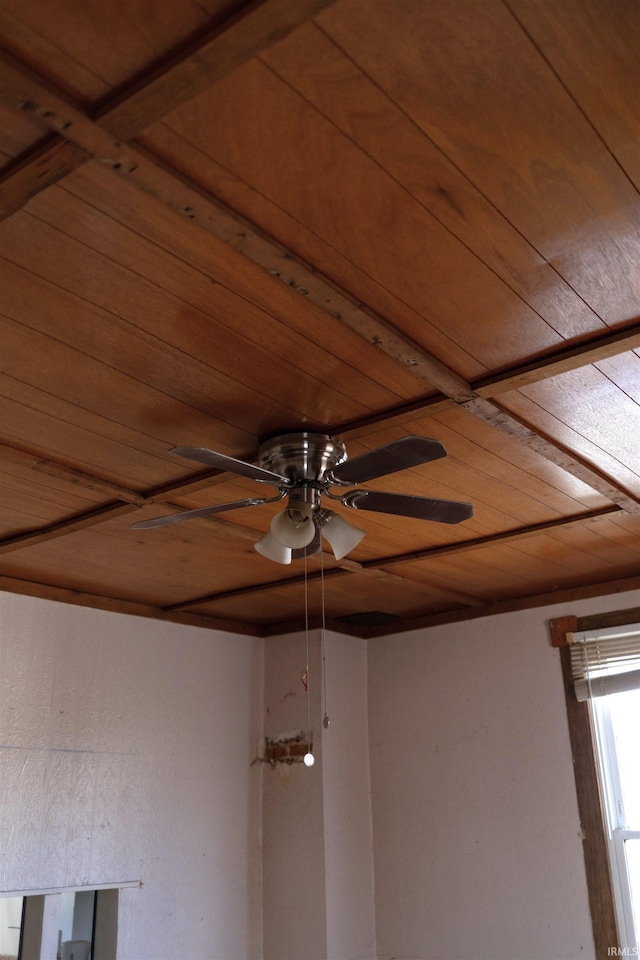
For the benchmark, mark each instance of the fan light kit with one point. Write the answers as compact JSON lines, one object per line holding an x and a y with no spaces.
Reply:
{"x":303,"y":467}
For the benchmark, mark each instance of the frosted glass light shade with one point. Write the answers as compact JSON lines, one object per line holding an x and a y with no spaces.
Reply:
{"x":272,"y":549}
{"x":294,"y":527}
{"x":342,"y":536}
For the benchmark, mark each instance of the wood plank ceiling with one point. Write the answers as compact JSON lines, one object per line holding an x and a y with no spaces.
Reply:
{"x":367,"y":218}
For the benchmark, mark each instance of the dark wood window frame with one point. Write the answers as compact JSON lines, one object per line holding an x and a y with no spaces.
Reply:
{"x":596,"y":859}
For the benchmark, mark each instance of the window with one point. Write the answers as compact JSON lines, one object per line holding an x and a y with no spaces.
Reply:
{"x":602,"y":670}
{"x":616,"y":724}
{"x":10,"y":927}
{"x":68,"y":924}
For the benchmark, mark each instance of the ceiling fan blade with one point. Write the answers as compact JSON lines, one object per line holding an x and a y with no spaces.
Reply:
{"x":199,"y":512}
{"x":422,"y":508}
{"x":222,"y":462}
{"x":407,"y":452}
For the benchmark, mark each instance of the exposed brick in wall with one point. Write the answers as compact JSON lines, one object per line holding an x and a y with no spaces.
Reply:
{"x":288,"y":749}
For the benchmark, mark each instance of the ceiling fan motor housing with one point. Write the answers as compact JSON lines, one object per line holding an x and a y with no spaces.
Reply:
{"x":305,"y":459}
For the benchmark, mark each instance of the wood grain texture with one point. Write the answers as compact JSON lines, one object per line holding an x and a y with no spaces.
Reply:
{"x":59,"y":475}
{"x":605,"y":347}
{"x":238,"y":39}
{"x":229,"y":271}
{"x":65,"y":527}
{"x":187,"y":73}
{"x":561,"y":630}
{"x":594,"y":847}
{"x":593,"y":414}
{"x":396,"y":219}
{"x":202,"y":318}
{"x":614,"y":618}
{"x":506,"y":120}
{"x":551,"y":437}
{"x":114,"y":605}
{"x":21,"y":89}
{"x":72,"y":49}
{"x":419,"y":258}
{"x":593,"y":48}
{"x":309,"y":247}
{"x":316,"y":67}
{"x":40,"y":169}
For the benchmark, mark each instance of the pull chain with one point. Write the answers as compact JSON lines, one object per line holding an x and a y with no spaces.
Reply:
{"x":309,"y":758}
{"x":325,"y":717}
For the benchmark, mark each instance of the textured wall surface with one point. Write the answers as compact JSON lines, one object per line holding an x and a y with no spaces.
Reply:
{"x":293,"y":819}
{"x":476,"y":829}
{"x":125,"y":749}
{"x":348,"y":841}
{"x":318,"y":865}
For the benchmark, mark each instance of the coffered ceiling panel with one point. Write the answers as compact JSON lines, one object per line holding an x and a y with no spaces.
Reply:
{"x":343,"y":221}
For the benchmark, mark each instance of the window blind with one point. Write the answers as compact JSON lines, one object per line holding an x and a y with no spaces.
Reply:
{"x":606,"y":661}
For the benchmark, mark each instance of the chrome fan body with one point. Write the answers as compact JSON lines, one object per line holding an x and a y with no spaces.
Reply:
{"x":304,"y":466}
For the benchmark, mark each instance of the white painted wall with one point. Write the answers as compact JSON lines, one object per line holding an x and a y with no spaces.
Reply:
{"x":476,"y":830}
{"x":293,"y":820}
{"x":125,"y":750}
{"x":125,"y":753}
{"x":348,"y":838}
{"x":318,"y":864}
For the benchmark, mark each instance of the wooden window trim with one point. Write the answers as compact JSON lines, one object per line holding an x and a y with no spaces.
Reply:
{"x":596,"y":859}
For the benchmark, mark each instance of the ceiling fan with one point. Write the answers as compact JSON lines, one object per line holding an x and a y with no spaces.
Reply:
{"x":303,"y":467}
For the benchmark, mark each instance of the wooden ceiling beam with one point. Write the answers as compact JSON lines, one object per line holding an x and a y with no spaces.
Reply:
{"x":111,"y":511}
{"x":483,"y":405}
{"x":490,"y":412}
{"x":378,"y":567}
{"x":260,"y":24}
{"x":610,"y":344}
{"x":46,"y":591}
{"x":343,"y":567}
{"x":564,"y":360}
{"x":216,"y":53}
{"x":598,"y":588}
{"x":79,"y":598}
{"x":83,"y":521}
{"x":505,"y":536}
{"x":22,"y":89}
{"x":135,"y":500}
{"x":114,"y":491}
{"x":256,"y":588}
{"x":177,"y":193}
{"x":61,"y":471}
{"x":552,"y":451}
{"x":221,"y":50}
{"x":38,"y":169}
